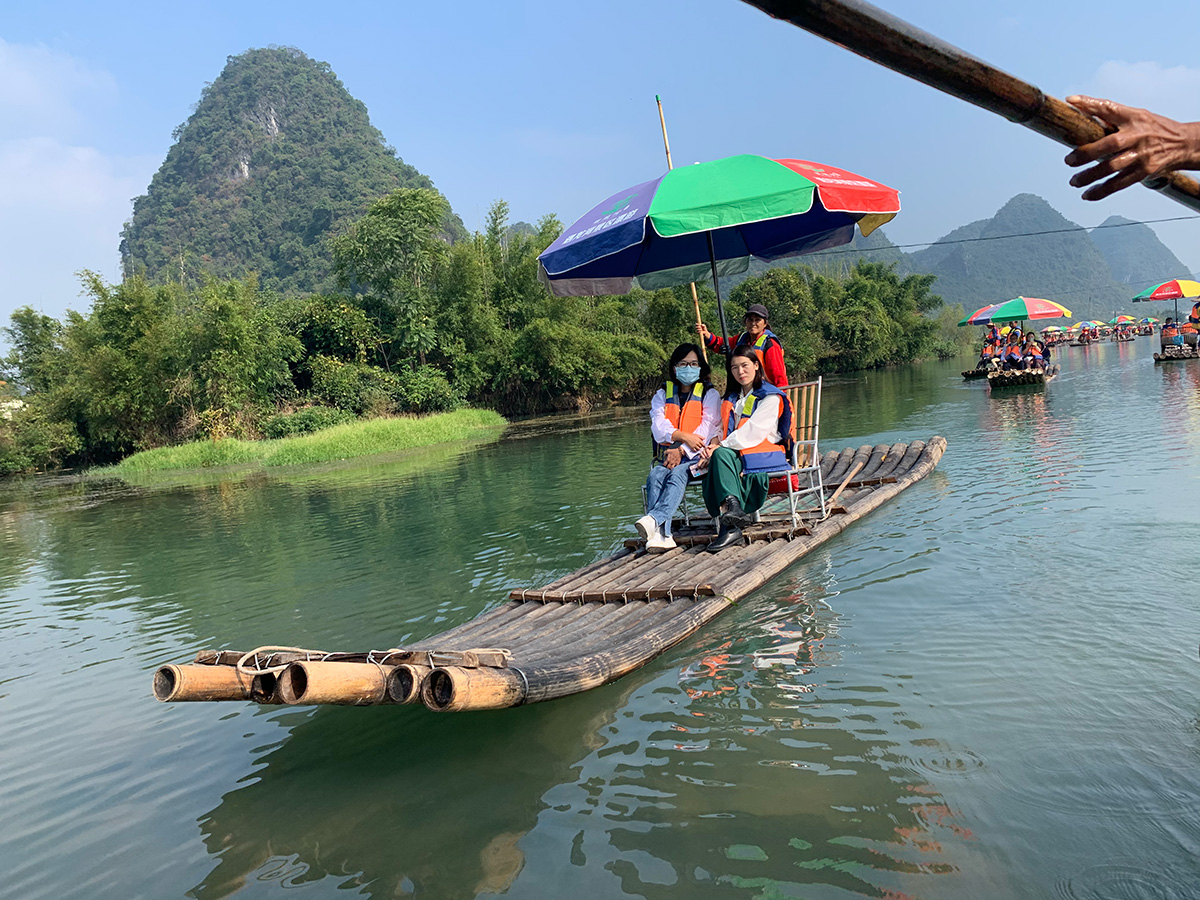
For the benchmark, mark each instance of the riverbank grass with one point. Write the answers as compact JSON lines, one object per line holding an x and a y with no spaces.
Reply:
{"x":368,"y":437}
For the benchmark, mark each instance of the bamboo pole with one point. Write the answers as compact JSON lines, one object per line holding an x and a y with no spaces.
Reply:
{"x":890,"y":41}
{"x":667,"y":146}
{"x":203,"y":682}
{"x":340,"y":683}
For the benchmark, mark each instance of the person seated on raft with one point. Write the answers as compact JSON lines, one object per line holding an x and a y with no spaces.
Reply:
{"x":1034,"y":352}
{"x":685,"y":413}
{"x":1013,"y":357}
{"x":757,"y":424}
{"x":1167,"y":336}
{"x":757,"y":335}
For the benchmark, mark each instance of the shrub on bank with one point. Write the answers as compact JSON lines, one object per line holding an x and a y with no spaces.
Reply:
{"x":304,"y":421}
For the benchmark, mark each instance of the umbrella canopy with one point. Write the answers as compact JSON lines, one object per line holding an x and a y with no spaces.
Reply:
{"x":1016,"y":310}
{"x":714,"y":217}
{"x":1053,"y":328}
{"x":1148,"y":320}
{"x":1122,"y":320}
{"x":1175,"y":289}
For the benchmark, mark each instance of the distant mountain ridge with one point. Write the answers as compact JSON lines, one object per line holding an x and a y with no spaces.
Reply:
{"x":276,"y":157}
{"x":1029,"y":248}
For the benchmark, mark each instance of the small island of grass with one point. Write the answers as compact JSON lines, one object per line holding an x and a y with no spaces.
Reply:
{"x":367,"y":437}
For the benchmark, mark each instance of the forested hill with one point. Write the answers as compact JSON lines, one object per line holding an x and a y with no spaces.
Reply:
{"x":276,"y":157}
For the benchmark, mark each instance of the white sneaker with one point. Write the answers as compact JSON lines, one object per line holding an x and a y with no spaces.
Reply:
{"x":660,"y":543}
{"x":646,"y":527}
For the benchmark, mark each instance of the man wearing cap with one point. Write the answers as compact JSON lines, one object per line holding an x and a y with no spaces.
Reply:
{"x":766,"y":345}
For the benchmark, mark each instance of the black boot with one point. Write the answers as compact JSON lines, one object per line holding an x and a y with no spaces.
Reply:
{"x":732,"y":512}
{"x":727,"y":535}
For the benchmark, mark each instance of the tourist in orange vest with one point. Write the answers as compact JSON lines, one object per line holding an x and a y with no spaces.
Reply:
{"x":1034,"y":352}
{"x":1013,"y":357}
{"x":685,"y":414}
{"x":757,"y":424}
{"x":1169,"y":331}
{"x":758,"y":336}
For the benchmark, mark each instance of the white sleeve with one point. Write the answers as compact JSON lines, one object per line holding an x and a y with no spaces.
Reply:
{"x":763,"y":425}
{"x":660,"y":428}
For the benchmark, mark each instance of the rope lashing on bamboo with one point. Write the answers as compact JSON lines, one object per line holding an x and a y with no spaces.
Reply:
{"x":271,"y":650}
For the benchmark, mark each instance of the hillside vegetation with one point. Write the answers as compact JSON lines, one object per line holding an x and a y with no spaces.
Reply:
{"x":276,"y":158}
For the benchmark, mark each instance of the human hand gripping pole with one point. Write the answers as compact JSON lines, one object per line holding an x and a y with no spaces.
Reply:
{"x":890,"y":41}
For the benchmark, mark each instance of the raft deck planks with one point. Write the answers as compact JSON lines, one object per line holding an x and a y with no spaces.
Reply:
{"x":582,"y":630}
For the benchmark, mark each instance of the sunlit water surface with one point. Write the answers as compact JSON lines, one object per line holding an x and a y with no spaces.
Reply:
{"x":989,"y":688}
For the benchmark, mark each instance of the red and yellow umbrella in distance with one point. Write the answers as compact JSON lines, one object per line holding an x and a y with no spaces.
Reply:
{"x":1175,"y":289}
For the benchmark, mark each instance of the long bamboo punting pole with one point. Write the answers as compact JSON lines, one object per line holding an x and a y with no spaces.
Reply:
{"x":667,"y":146}
{"x":890,"y":41}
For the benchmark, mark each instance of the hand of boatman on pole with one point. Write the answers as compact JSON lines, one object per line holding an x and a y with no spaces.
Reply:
{"x":1145,"y":144}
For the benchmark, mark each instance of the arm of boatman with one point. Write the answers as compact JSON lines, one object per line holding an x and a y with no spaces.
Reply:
{"x":1144,"y":144}
{"x":762,"y":425}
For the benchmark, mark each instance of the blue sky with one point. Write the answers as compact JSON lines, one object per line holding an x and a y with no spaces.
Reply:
{"x":551,"y":105}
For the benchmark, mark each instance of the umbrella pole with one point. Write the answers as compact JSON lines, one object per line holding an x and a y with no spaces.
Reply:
{"x":712,"y":260}
{"x":667,"y":146}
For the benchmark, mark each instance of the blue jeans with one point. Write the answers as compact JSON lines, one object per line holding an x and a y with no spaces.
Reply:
{"x":664,"y":491}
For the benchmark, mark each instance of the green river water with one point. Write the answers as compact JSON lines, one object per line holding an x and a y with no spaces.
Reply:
{"x":989,"y":688}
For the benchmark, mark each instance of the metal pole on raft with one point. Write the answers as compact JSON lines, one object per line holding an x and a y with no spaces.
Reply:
{"x":712,"y":260}
{"x":667,"y":146}
{"x":890,"y":41}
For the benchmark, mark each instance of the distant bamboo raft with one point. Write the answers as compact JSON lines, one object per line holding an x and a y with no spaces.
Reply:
{"x":1172,"y":353}
{"x":581,"y":631}
{"x":1011,"y":378}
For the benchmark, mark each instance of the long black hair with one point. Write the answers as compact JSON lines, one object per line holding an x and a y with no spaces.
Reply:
{"x":678,"y":354}
{"x":732,"y":388}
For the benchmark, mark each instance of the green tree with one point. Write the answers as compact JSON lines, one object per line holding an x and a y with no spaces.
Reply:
{"x":392,"y":254}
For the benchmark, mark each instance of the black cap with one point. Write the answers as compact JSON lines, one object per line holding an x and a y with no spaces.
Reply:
{"x":757,"y":309}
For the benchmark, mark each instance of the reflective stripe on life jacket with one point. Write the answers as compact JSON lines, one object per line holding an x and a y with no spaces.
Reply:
{"x":764,"y":456}
{"x":684,"y":411}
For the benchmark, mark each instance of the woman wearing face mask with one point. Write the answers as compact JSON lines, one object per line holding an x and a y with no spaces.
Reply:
{"x":685,"y":414}
{"x":757,"y":422}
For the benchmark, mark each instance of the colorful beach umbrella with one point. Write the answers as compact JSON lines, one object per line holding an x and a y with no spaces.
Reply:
{"x":1122,"y":320}
{"x":1016,"y":310}
{"x":1148,"y":320}
{"x":711,"y":219}
{"x":1175,"y":289}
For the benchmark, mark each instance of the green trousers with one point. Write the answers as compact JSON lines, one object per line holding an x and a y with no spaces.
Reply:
{"x":726,"y":479}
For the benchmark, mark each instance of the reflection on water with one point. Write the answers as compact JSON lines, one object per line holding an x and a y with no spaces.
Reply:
{"x":986,"y":689}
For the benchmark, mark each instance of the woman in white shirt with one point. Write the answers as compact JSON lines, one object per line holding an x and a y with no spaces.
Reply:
{"x":685,"y":415}
{"x":756,"y":421}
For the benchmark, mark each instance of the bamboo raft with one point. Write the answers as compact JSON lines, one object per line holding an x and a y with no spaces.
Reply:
{"x":1027,"y":376}
{"x":581,"y":631}
{"x":1172,"y":354}
{"x":968,"y":374}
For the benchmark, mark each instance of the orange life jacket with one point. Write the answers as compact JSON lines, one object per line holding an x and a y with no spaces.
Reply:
{"x":1013,"y":351}
{"x":1170,"y":330}
{"x":684,"y":411}
{"x":764,"y":456}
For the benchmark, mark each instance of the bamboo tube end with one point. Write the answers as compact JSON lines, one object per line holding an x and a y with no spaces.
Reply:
{"x":455,"y":688}
{"x":405,"y":682}
{"x":166,"y":683}
{"x":264,"y":688}
{"x":293,"y":683}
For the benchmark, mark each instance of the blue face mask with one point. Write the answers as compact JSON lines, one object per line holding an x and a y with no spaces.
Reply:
{"x":687,"y":374}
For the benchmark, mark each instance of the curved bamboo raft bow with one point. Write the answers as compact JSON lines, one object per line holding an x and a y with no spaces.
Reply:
{"x":885,"y":39}
{"x":1011,"y":377}
{"x":579,"y":632}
